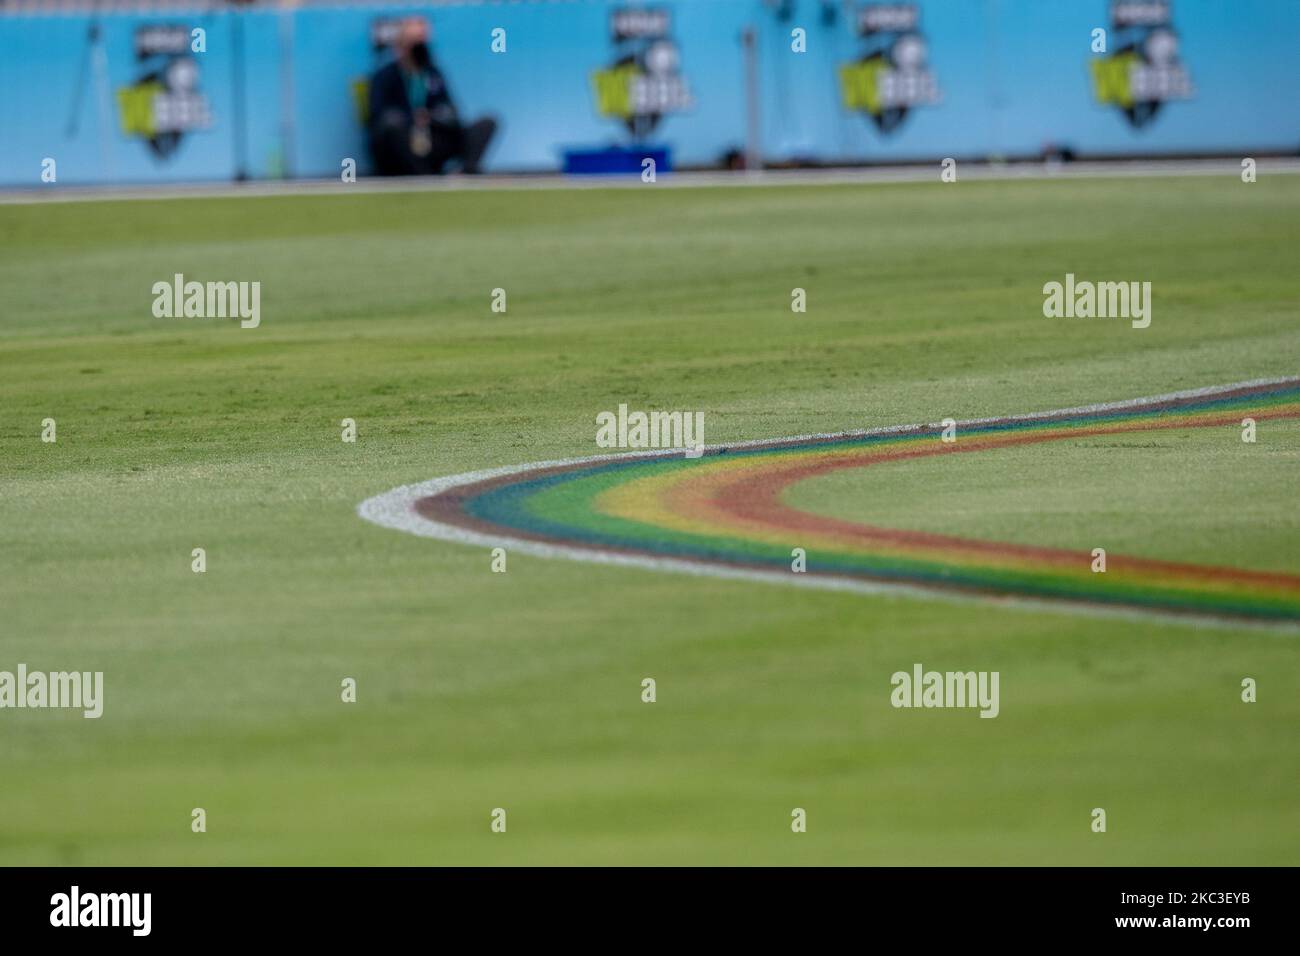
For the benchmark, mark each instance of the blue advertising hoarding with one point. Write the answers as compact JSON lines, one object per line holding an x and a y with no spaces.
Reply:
{"x":131,"y":98}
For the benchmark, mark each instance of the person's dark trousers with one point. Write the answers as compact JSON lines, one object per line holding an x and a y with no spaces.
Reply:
{"x":474,"y":142}
{"x":464,"y":143}
{"x":390,"y":147}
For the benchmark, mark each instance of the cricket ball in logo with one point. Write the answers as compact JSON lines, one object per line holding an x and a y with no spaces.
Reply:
{"x":1141,"y":71}
{"x":165,"y":102}
{"x":892,"y":76}
{"x":644,"y":82}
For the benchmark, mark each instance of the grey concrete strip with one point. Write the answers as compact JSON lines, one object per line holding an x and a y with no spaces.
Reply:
{"x":868,"y":175}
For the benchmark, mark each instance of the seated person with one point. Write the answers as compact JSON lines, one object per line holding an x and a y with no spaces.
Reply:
{"x":414,"y":128}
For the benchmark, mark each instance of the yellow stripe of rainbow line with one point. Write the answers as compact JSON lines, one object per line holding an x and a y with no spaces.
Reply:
{"x":742,"y":497}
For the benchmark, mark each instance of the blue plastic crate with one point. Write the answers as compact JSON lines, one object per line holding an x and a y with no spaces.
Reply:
{"x":616,"y":160}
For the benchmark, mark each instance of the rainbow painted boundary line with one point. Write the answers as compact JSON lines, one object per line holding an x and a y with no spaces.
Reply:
{"x":723,"y":514}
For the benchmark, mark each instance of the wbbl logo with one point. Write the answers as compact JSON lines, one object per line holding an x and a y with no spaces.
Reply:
{"x":892,"y":76}
{"x":644,"y":82}
{"x":165,"y":102}
{"x":1142,"y":71}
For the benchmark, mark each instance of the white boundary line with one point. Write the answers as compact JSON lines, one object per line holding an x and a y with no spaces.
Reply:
{"x":396,"y":509}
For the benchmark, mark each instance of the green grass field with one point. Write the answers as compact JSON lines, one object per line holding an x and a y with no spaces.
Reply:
{"x":522,"y":691}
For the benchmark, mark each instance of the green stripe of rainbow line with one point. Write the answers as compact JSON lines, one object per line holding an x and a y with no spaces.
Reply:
{"x":726,"y":508}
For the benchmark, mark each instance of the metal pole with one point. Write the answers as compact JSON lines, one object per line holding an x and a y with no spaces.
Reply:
{"x":239,"y":141}
{"x":103,"y":107}
{"x":287,"y":92}
{"x":753,"y":106}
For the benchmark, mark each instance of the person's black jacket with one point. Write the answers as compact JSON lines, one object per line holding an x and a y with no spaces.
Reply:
{"x":388,"y":94}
